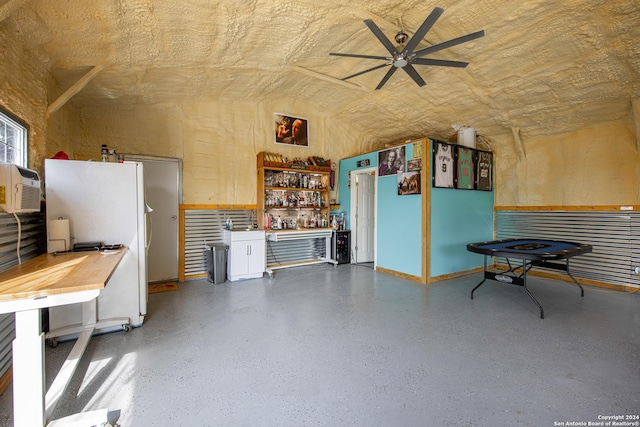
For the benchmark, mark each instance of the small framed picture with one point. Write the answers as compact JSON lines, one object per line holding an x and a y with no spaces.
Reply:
{"x":391,"y":161}
{"x":414,"y":165}
{"x":408,"y":183}
{"x":291,"y":130}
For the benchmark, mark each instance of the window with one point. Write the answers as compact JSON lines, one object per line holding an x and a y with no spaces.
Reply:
{"x":13,"y":141}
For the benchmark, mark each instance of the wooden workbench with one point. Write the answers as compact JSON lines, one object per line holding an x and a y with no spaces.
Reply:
{"x":47,"y":281}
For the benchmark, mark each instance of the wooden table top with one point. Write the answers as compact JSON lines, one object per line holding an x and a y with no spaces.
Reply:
{"x":50,"y":274}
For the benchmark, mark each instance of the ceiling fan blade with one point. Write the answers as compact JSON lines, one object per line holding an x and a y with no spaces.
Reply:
{"x":380,"y":35}
{"x":386,"y":77}
{"x":355,"y":55}
{"x":414,"y":74}
{"x":449,"y":43}
{"x":424,"y":29}
{"x":439,"y":62}
{"x":365,"y":71}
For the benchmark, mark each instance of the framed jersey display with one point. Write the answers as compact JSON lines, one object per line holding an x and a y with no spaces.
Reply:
{"x":465,"y":176}
{"x":443,"y":165}
{"x":484,"y":170}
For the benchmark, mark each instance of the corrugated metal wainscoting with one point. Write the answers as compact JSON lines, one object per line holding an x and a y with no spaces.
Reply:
{"x":32,"y":244}
{"x":205,"y":226}
{"x":292,"y":251}
{"x":614,"y":235}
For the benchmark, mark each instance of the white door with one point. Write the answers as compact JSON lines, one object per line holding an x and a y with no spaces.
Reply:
{"x":162,"y":192}
{"x":363,"y":191}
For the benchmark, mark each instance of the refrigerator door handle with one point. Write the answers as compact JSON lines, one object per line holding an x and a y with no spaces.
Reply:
{"x":147,"y":212}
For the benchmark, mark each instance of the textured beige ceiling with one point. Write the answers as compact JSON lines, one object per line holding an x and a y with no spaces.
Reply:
{"x":545,"y":67}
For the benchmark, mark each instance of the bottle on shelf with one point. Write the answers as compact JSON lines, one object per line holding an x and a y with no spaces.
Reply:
{"x":104,"y":153}
{"x":267,"y":221}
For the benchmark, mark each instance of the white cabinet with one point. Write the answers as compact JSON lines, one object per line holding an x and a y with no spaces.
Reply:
{"x":246,"y":254}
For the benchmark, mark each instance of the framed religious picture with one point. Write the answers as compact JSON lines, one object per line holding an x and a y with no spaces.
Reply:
{"x":443,"y":164}
{"x":391,"y":161}
{"x":484,"y":170}
{"x":408,"y":183}
{"x":465,"y":159}
{"x":291,"y":130}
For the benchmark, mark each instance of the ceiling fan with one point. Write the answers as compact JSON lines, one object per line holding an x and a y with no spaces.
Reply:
{"x":405,"y":56}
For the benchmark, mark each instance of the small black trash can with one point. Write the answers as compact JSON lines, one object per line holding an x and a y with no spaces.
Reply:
{"x":216,"y":256}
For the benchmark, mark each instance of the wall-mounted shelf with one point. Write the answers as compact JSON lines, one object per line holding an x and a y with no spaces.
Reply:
{"x":291,"y":198}
{"x":293,"y":208}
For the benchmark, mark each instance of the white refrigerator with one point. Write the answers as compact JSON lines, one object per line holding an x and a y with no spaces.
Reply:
{"x":104,"y":202}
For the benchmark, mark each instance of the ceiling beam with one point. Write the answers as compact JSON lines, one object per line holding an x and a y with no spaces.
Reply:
{"x":635,"y":109}
{"x":518,"y":145}
{"x":327,"y":78}
{"x":69,"y":93}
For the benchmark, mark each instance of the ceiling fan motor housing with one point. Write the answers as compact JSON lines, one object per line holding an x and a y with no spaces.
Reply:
{"x":405,"y":56}
{"x":400,"y":61}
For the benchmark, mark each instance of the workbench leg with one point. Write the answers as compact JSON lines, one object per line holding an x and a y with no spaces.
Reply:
{"x":28,"y":370}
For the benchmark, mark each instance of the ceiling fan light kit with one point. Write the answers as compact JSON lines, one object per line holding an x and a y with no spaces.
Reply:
{"x":405,"y":56}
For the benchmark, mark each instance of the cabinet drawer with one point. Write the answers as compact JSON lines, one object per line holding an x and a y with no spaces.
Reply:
{"x":235,"y":236}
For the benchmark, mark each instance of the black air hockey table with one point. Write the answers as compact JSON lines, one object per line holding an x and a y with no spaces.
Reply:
{"x":552,"y":254}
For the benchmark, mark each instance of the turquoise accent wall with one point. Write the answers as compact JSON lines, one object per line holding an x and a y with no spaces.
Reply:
{"x":399,"y":238}
{"x":399,"y":218}
{"x":458,"y":217}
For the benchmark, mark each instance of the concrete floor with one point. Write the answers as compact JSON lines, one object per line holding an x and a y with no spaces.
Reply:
{"x":325,"y":346}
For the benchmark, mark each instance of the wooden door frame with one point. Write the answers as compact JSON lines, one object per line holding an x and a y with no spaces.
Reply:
{"x":354,"y":207}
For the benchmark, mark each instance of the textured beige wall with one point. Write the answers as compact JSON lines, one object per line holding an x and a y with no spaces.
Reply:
{"x":595,"y":166}
{"x":23,"y":89}
{"x":150,"y":130}
{"x":218,"y":142}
